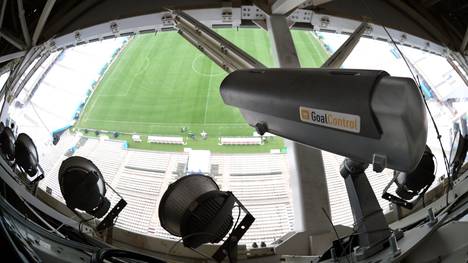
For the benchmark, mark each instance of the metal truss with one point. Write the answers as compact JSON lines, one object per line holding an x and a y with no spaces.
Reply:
{"x":227,"y":55}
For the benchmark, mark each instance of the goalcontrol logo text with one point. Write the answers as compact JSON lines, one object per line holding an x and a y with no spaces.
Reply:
{"x":331,"y":119}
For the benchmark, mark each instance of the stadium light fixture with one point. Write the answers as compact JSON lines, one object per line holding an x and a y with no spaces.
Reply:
{"x":26,"y":157}
{"x":83,"y":187}
{"x":414,"y":183}
{"x":7,"y":143}
{"x":194,"y":209}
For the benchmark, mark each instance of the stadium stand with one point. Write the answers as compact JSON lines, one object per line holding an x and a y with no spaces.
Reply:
{"x":141,"y":190}
{"x":260,"y":181}
{"x":50,"y":159}
{"x":240,"y":141}
{"x":151,"y":161}
{"x":107,"y":155}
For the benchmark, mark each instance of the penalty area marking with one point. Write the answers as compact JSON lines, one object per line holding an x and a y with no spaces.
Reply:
{"x":194,"y":68}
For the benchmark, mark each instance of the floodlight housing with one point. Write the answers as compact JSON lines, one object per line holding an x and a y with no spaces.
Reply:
{"x":365,"y":115}
{"x":7,"y":143}
{"x":194,"y":209}
{"x":26,"y":156}
{"x":190,"y":204}
{"x":414,"y":183}
{"x":410,"y":184}
{"x":83,"y":186}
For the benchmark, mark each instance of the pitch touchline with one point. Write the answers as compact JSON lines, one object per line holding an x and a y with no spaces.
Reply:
{"x":169,"y":124}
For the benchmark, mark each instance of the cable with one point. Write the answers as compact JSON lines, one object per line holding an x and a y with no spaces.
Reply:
{"x":39,"y":117}
{"x":336,"y":233}
{"x":200,"y":253}
{"x":42,"y":219}
{"x":187,"y":236}
{"x":416,"y":79}
{"x":229,"y":241}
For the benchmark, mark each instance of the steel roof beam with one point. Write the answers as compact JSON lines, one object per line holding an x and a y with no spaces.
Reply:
{"x":458,"y":70}
{"x":12,"y":40}
{"x":464,"y":44}
{"x":27,"y":61}
{"x":24,"y":25}
{"x":42,"y":20}
{"x":220,"y":50}
{"x":12,"y":56}
{"x":2,"y":12}
{"x":28,"y":76}
{"x":282,"y":7}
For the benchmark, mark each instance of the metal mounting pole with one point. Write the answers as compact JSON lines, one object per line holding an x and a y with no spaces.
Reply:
{"x":308,"y":181}
{"x":339,"y":57}
{"x":372,"y":228}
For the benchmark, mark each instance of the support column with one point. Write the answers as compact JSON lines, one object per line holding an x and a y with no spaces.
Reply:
{"x":308,"y":181}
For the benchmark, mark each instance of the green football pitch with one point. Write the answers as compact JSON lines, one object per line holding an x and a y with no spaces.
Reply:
{"x":160,"y":83}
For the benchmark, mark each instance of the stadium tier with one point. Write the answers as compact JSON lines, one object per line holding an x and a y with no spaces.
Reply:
{"x":260,"y":181}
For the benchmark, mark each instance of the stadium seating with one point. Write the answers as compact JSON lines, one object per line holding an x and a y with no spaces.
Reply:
{"x":150,"y":160}
{"x":141,"y":190}
{"x":107,"y":155}
{"x":260,"y":181}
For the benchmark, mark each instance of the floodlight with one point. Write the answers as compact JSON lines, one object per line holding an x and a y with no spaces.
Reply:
{"x":414,"y":183}
{"x":194,"y":209}
{"x":26,"y":156}
{"x":83,"y":187}
{"x":7,"y":143}
{"x":365,"y":115}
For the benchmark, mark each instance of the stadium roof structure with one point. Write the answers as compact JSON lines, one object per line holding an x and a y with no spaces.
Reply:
{"x":25,"y":24}
{"x":31,"y":30}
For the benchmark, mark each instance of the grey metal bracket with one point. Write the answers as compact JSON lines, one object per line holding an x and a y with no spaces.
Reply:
{"x":370,"y":223}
